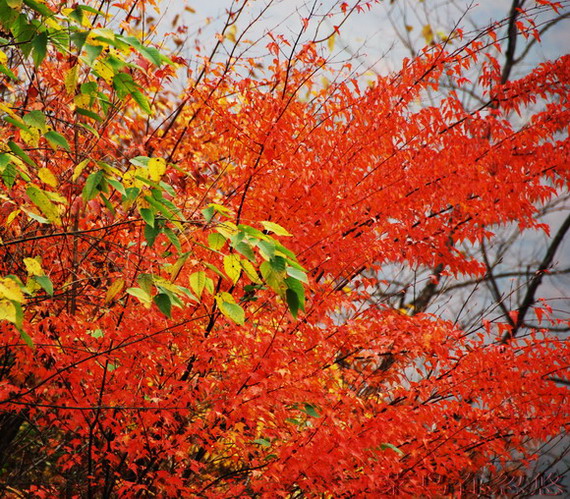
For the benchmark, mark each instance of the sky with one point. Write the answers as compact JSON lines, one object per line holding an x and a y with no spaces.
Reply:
{"x":370,"y":37}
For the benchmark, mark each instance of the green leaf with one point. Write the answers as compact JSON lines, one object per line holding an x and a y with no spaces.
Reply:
{"x":198,"y":282}
{"x":89,"y":87}
{"x":57,"y":140}
{"x":150,"y":53}
{"x":311,"y":411}
{"x":23,"y":32}
{"x":296,"y":287}
{"x":141,"y":294}
{"x":39,"y":7}
{"x":89,"y":128}
{"x":278,"y":264}
{"x":245,"y":250}
{"x":45,"y":282}
{"x":153,"y":55}
{"x":164,"y":206}
{"x":26,"y":337}
{"x":172,"y":237}
{"x":96,"y":333}
{"x":177,"y":266}
{"x":60,"y":39}
{"x":14,"y":4}
{"x":108,"y":204}
{"x":147,"y":215}
{"x":297,"y":274}
{"x":42,"y":201}
{"x":292,"y":302}
{"x":145,"y":282}
{"x":131,"y":193}
{"x":209,"y":285}
{"x":9,"y":173}
{"x":233,"y":311}
{"x":208,"y":213}
{"x":21,"y":154}
{"x":262,"y":442}
{"x":117,"y":185}
{"x":78,"y":39}
{"x":275,"y":228}
{"x":124,"y":85}
{"x":91,"y":53}
{"x":142,"y":101}
{"x":17,"y":123}
{"x":214,"y":269}
{"x":274,"y":280}
{"x":8,"y":72}
{"x":89,"y":114}
{"x":8,"y":13}
{"x":386,"y":446}
{"x":288,"y":254}
{"x":35,"y":216}
{"x":216,"y":241}
{"x":150,"y":234}
{"x":267,"y":249}
{"x":39,"y":46}
{"x":92,"y":10}
{"x":36,"y":119}
{"x":162,"y":301}
{"x":92,"y":185}
{"x":19,"y":317}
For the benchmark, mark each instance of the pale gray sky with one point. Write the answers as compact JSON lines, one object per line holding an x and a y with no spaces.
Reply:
{"x":370,"y":34}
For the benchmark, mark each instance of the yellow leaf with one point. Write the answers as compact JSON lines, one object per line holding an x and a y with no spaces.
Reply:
{"x":156,"y":169}
{"x":7,"y":311}
{"x":198,"y":282}
{"x":50,"y":22}
{"x":227,"y":229}
{"x":82,"y":100}
{"x":232,"y":311}
{"x":114,"y":289}
{"x":250,"y":271}
{"x":275,"y":228}
{"x":11,"y":217}
{"x":33,"y":266}
{"x":10,"y":290}
{"x":331,"y":41}
{"x":42,"y":201}
{"x":3,"y":57}
{"x":19,"y":164}
{"x":71,"y":79}
{"x":8,"y":109}
{"x":54,"y":196}
{"x":31,"y":137}
{"x":223,"y":296}
{"x":232,"y":267}
{"x":79,"y":169}
{"x":231,"y":33}
{"x":47,"y":177}
{"x":32,"y":286}
{"x":104,"y":70}
{"x":100,"y":33}
{"x":427,"y":33}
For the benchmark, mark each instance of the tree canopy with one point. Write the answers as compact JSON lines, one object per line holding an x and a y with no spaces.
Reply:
{"x":189,"y":279}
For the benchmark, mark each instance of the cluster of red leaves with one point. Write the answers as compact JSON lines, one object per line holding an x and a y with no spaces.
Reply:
{"x":125,"y":400}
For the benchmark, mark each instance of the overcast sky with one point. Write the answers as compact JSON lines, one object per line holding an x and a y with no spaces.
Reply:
{"x":370,"y":35}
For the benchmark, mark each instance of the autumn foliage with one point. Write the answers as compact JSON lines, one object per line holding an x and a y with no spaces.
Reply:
{"x":186,"y":280}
